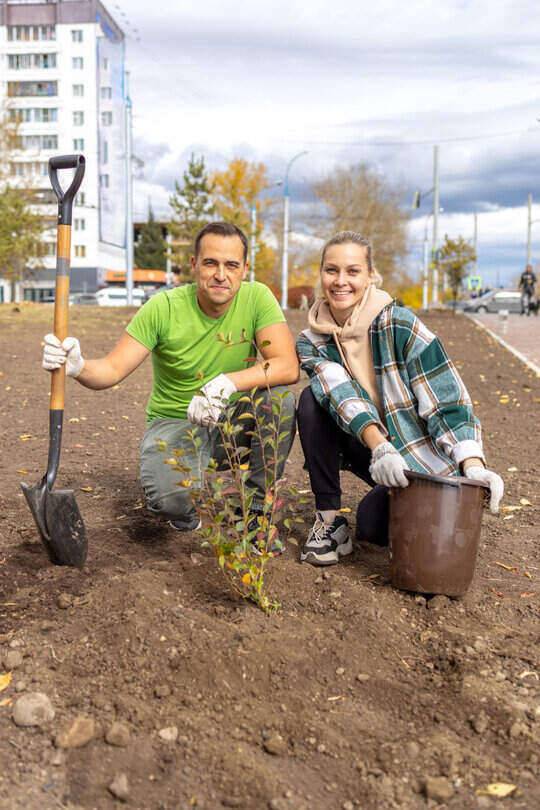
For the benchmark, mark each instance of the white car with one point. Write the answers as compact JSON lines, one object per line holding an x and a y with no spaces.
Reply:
{"x":117,"y":297}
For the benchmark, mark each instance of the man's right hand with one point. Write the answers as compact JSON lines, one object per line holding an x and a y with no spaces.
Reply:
{"x":56,"y":354}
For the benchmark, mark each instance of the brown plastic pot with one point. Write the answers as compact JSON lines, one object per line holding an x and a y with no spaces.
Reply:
{"x":433,"y":533}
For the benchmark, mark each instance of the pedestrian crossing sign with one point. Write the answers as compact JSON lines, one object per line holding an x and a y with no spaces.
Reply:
{"x":474,"y":283}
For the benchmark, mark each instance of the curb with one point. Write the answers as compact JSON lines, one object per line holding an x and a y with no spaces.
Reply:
{"x":506,"y":345}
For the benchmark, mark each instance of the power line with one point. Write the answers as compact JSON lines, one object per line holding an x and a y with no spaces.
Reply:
{"x":431,"y":142}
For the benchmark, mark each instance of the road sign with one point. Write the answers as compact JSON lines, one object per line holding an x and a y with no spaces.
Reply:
{"x":474,"y":283}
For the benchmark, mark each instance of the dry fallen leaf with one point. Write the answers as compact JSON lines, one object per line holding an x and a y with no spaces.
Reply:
{"x":4,"y":681}
{"x":6,"y":701}
{"x":74,"y":419}
{"x":22,"y":472}
{"x":25,"y":436}
{"x":507,"y":567}
{"x":526,"y":595}
{"x":525,"y":502}
{"x":511,"y":508}
{"x":527,"y":574}
{"x":512,"y":469}
{"x":87,"y":489}
{"x":344,"y":509}
{"x":500,"y":789}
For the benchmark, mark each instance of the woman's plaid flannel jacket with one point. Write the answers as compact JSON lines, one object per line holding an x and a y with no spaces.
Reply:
{"x":428,"y":414}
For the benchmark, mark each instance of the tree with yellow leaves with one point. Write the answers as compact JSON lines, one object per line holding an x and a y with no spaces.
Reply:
{"x":234,"y":191}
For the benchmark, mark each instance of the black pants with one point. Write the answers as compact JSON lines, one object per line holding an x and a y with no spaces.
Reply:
{"x":327,"y":449}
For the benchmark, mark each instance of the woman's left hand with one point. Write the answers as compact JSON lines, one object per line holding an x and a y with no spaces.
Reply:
{"x":491,"y":480}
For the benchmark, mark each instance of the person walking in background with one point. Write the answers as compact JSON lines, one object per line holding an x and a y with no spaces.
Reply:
{"x":383,"y":398}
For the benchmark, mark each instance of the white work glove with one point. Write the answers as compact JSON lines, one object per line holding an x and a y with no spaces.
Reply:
{"x":55,"y":354}
{"x":206,"y":408}
{"x":388,"y":466}
{"x":491,"y":480}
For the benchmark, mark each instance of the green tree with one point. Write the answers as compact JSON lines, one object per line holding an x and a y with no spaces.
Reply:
{"x":192,"y":210}
{"x":455,"y":258}
{"x":357,"y":198}
{"x":21,"y":243}
{"x":150,"y":249}
{"x":21,"y":227}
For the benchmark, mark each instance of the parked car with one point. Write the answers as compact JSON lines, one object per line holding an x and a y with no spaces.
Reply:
{"x":83,"y":298}
{"x":494,"y":301}
{"x":152,"y":291}
{"x":117,"y":297}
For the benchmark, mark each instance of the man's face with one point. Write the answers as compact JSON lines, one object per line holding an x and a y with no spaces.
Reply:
{"x":219,"y":270}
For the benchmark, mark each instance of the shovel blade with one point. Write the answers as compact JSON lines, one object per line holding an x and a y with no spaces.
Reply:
{"x":59,"y":523}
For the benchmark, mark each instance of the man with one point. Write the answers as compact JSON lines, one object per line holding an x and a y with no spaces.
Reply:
{"x":527,"y":285}
{"x":184,"y":329}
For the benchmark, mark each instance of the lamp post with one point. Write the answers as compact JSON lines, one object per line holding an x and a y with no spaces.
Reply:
{"x":285,"y":254}
{"x":129,"y":196}
{"x":416,"y":204}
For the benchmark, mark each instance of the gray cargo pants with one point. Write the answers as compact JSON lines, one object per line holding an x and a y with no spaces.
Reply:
{"x":159,"y":480}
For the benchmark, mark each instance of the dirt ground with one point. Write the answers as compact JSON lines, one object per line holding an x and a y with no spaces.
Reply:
{"x":354,"y":695}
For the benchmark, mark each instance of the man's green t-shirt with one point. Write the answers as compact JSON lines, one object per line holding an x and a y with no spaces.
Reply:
{"x":183,"y":341}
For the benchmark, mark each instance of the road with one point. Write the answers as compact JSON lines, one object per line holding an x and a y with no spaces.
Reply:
{"x":520,"y":331}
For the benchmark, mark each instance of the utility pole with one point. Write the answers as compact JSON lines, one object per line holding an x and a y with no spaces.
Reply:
{"x":475,"y":243}
{"x":252,"y":243}
{"x":425,"y":275}
{"x":129,"y":197}
{"x":529,"y":226}
{"x":285,"y":254}
{"x":435,"y":284}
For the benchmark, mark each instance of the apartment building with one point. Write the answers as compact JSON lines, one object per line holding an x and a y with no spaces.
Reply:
{"x":62,"y":77}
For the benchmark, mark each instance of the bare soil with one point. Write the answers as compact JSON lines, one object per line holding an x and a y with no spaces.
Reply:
{"x":353,"y":695}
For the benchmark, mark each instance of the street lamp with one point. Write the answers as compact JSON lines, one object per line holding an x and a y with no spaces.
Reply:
{"x":416,"y":204}
{"x":285,"y":254}
{"x":530,"y":223}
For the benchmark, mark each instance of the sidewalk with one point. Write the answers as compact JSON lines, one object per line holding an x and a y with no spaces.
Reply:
{"x":519,"y":331}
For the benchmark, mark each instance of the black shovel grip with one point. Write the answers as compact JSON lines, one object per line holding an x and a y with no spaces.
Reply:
{"x":65,"y":198}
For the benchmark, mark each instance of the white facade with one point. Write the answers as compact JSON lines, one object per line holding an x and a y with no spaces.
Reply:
{"x":64,"y":80}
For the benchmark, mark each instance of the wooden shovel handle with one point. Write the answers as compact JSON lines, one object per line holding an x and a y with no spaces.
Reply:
{"x":61,"y":304}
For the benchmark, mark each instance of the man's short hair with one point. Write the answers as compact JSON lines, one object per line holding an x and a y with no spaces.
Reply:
{"x":221,"y":229}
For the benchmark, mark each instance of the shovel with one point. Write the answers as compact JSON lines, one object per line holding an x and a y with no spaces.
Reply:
{"x":56,"y":514}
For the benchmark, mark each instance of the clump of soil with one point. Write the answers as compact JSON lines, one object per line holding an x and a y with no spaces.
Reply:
{"x":173,"y":694}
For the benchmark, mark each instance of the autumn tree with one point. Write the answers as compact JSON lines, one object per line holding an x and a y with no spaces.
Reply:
{"x":150,"y":249}
{"x":192,"y":209}
{"x":455,"y":258}
{"x":21,"y":231}
{"x":21,"y":226}
{"x":357,"y":198}
{"x":235,"y":190}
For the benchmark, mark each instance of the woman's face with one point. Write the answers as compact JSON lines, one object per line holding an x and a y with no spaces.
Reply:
{"x":345,"y":275}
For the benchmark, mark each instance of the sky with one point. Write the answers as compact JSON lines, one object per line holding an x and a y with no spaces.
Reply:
{"x":349,"y":82}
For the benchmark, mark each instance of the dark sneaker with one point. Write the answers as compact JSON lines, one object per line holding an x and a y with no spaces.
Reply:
{"x":327,"y":542}
{"x":182,"y":526}
{"x":258,"y":542}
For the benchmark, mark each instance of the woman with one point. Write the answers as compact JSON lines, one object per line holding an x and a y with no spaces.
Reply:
{"x":383,"y":398}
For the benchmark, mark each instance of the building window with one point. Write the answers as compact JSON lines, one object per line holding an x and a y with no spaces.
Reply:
{"x":104,"y":180}
{"x":78,"y":89}
{"x":80,"y":251}
{"x":80,"y":198}
{"x":49,"y":248}
{"x":26,"y":33}
{"x":78,"y":118}
{"x":104,"y":152}
{"x":76,"y":35}
{"x":34,"y":114}
{"x":48,"y":114}
{"x":25,"y":61}
{"x":20,"y":89}
{"x":78,"y":144}
{"x":77,"y":62}
{"x":79,"y":224}
{"x":49,"y":141}
{"x":106,"y":119}
{"x":105,"y":63}
{"x":106,"y":93}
